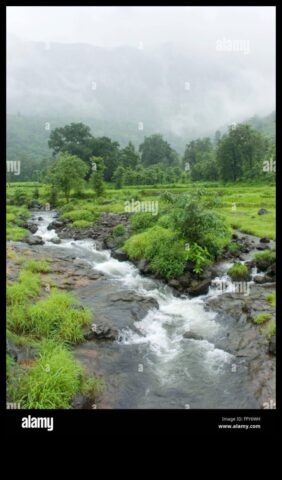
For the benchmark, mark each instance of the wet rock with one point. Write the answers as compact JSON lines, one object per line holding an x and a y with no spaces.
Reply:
{"x":55,"y":224}
{"x":234,"y":236}
{"x":262,"y":247}
{"x":272,"y":345}
{"x":262,"y":279}
{"x":271,"y":271}
{"x":184,"y":280}
{"x":143,"y":266}
{"x":120,"y":255}
{"x":192,"y":335}
{"x":35,"y":205}
{"x":33,"y":240}
{"x":82,"y":402}
{"x":265,"y":240}
{"x":76,"y":307}
{"x":56,"y":240}
{"x":39,"y":219}
{"x":201,"y":288}
{"x":174,"y":283}
{"x":32,"y":227}
{"x":262,"y":211}
{"x":102,"y":332}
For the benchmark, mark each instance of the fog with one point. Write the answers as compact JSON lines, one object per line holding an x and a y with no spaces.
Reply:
{"x":183,"y":70}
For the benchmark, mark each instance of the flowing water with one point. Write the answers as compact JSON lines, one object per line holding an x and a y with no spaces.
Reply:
{"x":152,"y":365}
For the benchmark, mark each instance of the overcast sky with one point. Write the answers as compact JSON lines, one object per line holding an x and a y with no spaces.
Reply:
{"x":112,"y":26}
{"x":243,"y":83}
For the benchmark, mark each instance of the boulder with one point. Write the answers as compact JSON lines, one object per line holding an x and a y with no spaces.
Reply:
{"x":55,"y":240}
{"x":101,"y":332}
{"x":272,"y":345}
{"x":35,"y":205}
{"x":265,"y":240}
{"x":192,"y":335}
{"x":262,"y":211}
{"x":201,"y":288}
{"x":120,"y":255}
{"x":262,"y":279}
{"x":34,"y":240}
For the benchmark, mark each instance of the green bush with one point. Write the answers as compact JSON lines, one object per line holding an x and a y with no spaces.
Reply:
{"x":268,"y":256}
{"x":200,"y":226}
{"x":118,"y":230}
{"x":238,"y":272}
{"x":141,"y":221}
{"x":15,"y":234}
{"x":199,"y":256}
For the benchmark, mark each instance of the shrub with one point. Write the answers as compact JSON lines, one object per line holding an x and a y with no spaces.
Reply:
{"x":169,"y":258}
{"x":233,"y":247}
{"x":238,"y":272}
{"x":199,"y":256}
{"x":200,"y":226}
{"x":118,"y":230}
{"x":141,"y":221}
{"x":15,"y":233}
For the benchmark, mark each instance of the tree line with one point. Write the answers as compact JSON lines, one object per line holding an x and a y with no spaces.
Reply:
{"x":241,"y":154}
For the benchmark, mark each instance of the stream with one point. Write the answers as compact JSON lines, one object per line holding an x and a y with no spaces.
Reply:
{"x":152,"y":365}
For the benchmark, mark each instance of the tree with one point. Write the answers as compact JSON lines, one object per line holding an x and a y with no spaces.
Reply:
{"x":69,"y":138}
{"x":155,"y":149}
{"x":240,"y":153}
{"x":67,"y":173}
{"x":96,"y":179}
{"x":129,"y":157}
{"x":118,"y":177}
{"x":107,"y":149}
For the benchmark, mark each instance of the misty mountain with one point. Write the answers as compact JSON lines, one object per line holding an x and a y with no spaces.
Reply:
{"x":128,"y":92}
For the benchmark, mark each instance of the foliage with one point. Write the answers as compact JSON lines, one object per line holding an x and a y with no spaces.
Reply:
{"x":238,"y":272}
{"x":118,"y":230}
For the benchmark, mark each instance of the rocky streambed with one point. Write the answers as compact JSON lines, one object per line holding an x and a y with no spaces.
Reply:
{"x":182,"y":344}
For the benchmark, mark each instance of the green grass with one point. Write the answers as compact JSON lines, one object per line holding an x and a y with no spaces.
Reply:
{"x":52,"y":381}
{"x":81,"y":224}
{"x":268,"y":256}
{"x":238,"y":272}
{"x":271,"y":298}
{"x":270,"y":329}
{"x":262,"y":318}
{"x":26,"y":288}
{"x":55,"y":317}
{"x":40,"y":266}
{"x":118,"y":230}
